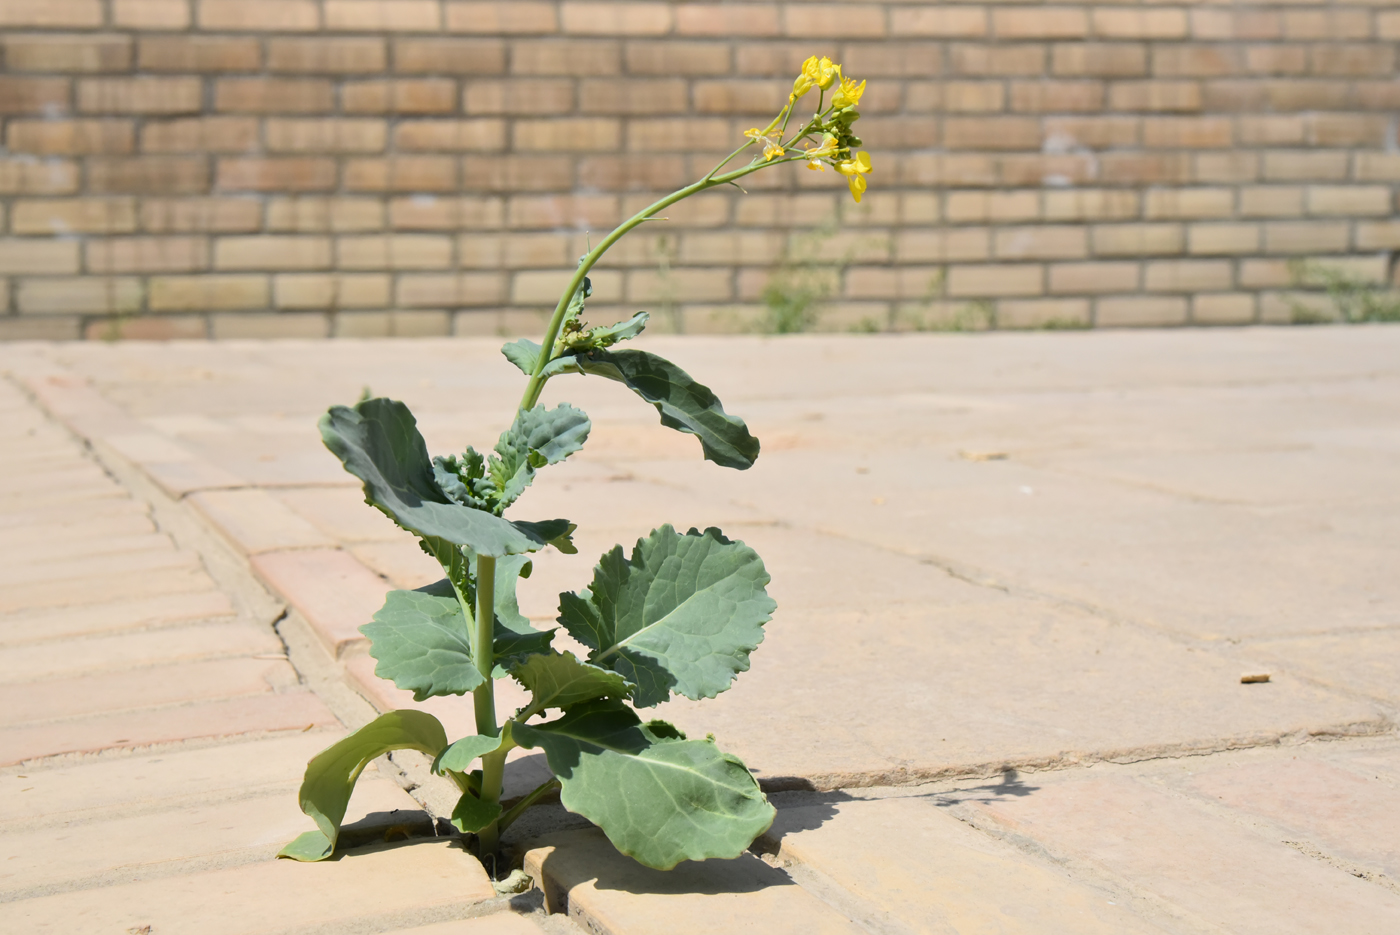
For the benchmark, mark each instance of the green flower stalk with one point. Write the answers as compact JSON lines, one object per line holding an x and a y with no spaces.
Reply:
{"x":679,"y":616}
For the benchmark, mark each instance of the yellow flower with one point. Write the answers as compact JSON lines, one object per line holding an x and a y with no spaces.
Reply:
{"x":848,"y":95}
{"x":821,"y":73}
{"x":801,"y":86}
{"x":771,"y":146}
{"x":829,"y":147}
{"x":854,"y":170}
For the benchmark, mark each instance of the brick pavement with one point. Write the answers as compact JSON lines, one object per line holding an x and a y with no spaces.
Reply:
{"x":1019,"y":578}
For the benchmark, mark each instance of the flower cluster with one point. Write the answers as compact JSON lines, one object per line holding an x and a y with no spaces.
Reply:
{"x":831,"y":125}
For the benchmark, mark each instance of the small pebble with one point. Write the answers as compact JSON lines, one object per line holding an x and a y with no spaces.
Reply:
{"x":1252,"y":678}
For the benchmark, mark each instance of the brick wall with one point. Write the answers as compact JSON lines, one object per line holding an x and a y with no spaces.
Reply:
{"x":364,"y":167}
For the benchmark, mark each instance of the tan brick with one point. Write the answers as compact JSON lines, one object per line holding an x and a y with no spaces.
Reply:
{"x":273,"y":95}
{"x":517,"y":174}
{"x":964,"y":97}
{"x":981,"y":206}
{"x":517,"y":18}
{"x":330,"y":135}
{"x":1305,"y":166}
{"x":46,"y":96}
{"x":1271,"y":129}
{"x":313,"y":214}
{"x":70,"y":137}
{"x":259,"y":15}
{"x":542,"y":287}
{"x":1358,"y":130}
{"x":1155,"y":96}
{"x":615,"y":19}
{"x":63,"y":216}
{"x":402,"y":174}
{"x":577,"y":134}
{"x":1376,"y":95}
{"x":1139,"y":23}
{"x":1234,"y":308}
{"x":1349,"y":200}
{"x":1146,"y":168}
{"x":1093,"y":278}
{"x":1105,"y":60}
{"x":1271,"y":201}
{"x":199,"y":53}
{"x":955,"y":22}
{"x":697,"y":285}
{"x":200,"y":135}
{"x":46,"y":328}
{"x":731,"y":247}
{"x":67,"y":53}
{"x":1042,"y":313}
{"x":1263,"y":60}
{"x":519,"y":96}
{"x":140,"y":95}
{"x":512,"y":251}
{"x":633,"y":172}
{"x":1138,"y":239}
{"x":430,"y":213}
{"x":991,"y":133}
{"x":1311,"y":25}
{"x":1370,"y":235}
{"x":322,"y":291}
{"x":384,"y":15}
{"x":987,"y":60}
{"x":584,"y":212}
{"x":38,"y":256}
{"x":1172,"y":203}
{"x":148,"y":175}
{"x":1230,"y":167}
{"x":272,"y":252}
{"x":581,"y":57}
{"x":1236,"y":24}
{"x":632,"y":97}
{"x":405,"y":96}
{"x":148,"y":328}
{"x":200,"y":215}
{"x":1377,"y":167}
{"x":1306,"y":237}
{"x":468,"y":57}
{"x":1187,"y":275}
{"x":1071,"y":133}
{"x":450,"y":290}
{"x":1044,"y":242}
{"x":339,"y":56}
{"x":394,"y":252}
{"x":1191,"y":61}
{"x":450,"y":135}
{"x":668,"y":59}
{"x":16,"y":14}
{"x":207,"y":293}
{"x":990,"y":280}
{"x":1139,"y":311}
{"x":832,"y":21}
{"x":1056,"y":96}
{"x":1221,"y":239}
{"x":739,"y":96}
{"x":151,"y":14}
{"x":85,"y":295}
{"x":260,"y":174}
{"x":1091,"y":205}
{"x":1355,"y":59}
{"x":728,"y":20}
{"x":395,"y":324}
{"x":146,"y":254}
{"x":1040,"y":23}
{"x":280,"y":325}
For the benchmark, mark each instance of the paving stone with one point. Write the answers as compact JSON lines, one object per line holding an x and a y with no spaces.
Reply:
{"x":126,"y":564}
{"x":133,"y":688}
{"x":334,"y":592}
{"x":225,"y":718}
{"x":501,"y":923}
{"x":256,"y":522}
{"x":113,"y":616}
{"x":1214,"y":870}
{"x":1366,"y":662}
{"x":341,"y":513}
{"x":178,"y":478}
{"x":239,"y":831}
{"x":403,"y":562}
{"x":63,"y":519}
{"x":603,"y":891}
{"x":109,"y":541}
{"x":390,"y":886}
{"x":135,"y":783}
{"x":921,"y":870}
{"x":1339,"y":811}
{"x":158,"y":647}
{"x":79,"y":589}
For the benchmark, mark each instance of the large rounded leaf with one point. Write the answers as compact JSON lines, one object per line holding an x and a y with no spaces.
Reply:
{"x":682,"y":615}
{"x":658,"y":797}
{"x":331,"y":774}
{"x":423,"y":644}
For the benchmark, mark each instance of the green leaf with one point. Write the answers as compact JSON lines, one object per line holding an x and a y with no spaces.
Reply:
{"x":537,"y":437}
{"x":684,"y":405}
{"x":558,"y":680}
{"x":423,"y":643}
{"x":378,"y":442}
{"x":460,"y":755}
{"x":472,"y":814}
{"x":682,"y":615}
{"x":659,"y":799}
{"x":526,"y":353}
{"x":331,"y":774}
{"x":604,"y":335}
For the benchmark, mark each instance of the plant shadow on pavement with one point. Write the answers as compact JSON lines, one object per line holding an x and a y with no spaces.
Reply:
{"x":1010,"y":786}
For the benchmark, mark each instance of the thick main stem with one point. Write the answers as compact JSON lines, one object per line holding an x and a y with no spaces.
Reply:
{"x":484,"y":697}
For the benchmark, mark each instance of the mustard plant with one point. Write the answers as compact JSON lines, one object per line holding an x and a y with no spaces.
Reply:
{"x":680,"y":615}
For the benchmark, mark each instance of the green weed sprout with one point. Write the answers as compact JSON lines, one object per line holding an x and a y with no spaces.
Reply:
{"x":680,"y":615}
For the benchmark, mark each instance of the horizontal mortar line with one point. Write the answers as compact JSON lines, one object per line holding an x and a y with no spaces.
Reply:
{"x":907,"y":776}
{"x":144,"y":709}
